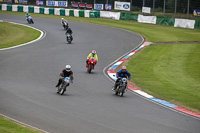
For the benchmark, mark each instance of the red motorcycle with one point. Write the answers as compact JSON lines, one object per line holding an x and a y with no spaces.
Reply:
{"x":91,"y":63}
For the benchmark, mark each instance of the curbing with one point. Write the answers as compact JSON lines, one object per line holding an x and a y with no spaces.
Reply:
{"x":112,"y":75}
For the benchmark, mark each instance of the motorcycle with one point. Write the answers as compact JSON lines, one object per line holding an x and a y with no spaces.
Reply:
{"x":69,"y":38}
{"x":91,"y":64}
{"x":62,"y":87}
{"x":65,"y":26}
{"x":30,"y":20}
{"x":120,"y":90}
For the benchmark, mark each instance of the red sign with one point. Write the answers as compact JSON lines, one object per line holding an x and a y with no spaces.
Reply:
{"x":74,"y":5}
{"x":82,"y":5}
{"x":88,"y":6}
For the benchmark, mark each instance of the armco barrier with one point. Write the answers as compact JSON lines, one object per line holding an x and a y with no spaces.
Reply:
{"x":128,"y":16}
{"x":81,"y":13}
{"x":31,"y":9}
{"x":62,"y":12}
{"x":165,"y":21}
{"x":197,"y":24}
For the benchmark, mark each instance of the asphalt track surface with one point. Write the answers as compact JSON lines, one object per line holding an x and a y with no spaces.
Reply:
{"x":28,"y":75}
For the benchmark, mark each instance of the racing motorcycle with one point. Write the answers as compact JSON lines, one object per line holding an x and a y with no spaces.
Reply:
{"x":120,"y":90}
{"x":91,"y":64}
{"x":62,"y":87}
{"x":69,"y":38}
{"x":29,"y":19}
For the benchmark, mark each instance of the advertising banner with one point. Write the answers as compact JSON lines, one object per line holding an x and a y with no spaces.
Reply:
{"x":88,"y":6}
{"x":196,"y":12}
{"x":56,"y":3}
{"x":98,"y":6}
{"x":6,"y":1}
{"x":122,"y":6}
{"x":74,"y":5}
{"x":146,"y":9}
{"x":50,"y":3}
{"x":39,"y":2}
{"x":23,"y":2}
{"x":108,"y":6}
{"x":81,"y":5}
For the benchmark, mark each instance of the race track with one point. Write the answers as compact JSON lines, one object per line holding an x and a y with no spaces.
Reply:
{"x":28,"y":75}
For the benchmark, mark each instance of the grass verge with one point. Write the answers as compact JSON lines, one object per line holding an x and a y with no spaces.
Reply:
{"x":13,"y":34}
{"x":153,"y":33}
{"x":7,"y":126}
{"x":169,"y":72}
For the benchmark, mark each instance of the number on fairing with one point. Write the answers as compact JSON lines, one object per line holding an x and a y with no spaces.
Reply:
{"x":67,"y":79}
{"x":124,"y":79}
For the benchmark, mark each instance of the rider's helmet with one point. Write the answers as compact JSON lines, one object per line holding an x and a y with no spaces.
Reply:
{"x":94,"y":52}
{"x":123,"y":68}
{"x":26,"y":13}
{"x":68,"y":68}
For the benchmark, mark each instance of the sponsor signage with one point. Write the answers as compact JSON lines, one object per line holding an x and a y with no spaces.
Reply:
{"x":81,"y":5}
{"x":108,"y":6}
{"x":98,"y":6}
{"x":39,"y":2}
{"x":74,"y":5}
{"x":23,"y":2}
{"x":89,"y":6}
{"x":6,"y":1}
{"x":56,"y":3}
{"x":196,"y":12}
{"x":122,"y":6}
{"x":146,"y":9}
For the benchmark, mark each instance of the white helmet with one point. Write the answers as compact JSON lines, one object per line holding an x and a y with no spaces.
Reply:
{"x":68,"y":67}
{"x":62,"y":18}
{"x":124,"y":67}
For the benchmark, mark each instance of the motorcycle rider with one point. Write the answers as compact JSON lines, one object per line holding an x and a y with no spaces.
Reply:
{"x":63,"y":21}
{"x":123,"y":73}
{"x":69,"y":31}
{"x":67,"y":72}
{"x":93,"y":54}
{"x":27,"y":15}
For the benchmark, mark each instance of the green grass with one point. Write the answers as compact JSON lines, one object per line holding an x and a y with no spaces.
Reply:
{"x":13,"y":34}
{"x":153,"y":33}
{"x":7,"y":126}
{"x":169,"y":72}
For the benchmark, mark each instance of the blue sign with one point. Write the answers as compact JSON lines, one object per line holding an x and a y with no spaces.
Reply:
{"x":196,"y":12}
{"x":108,"y":6}
{"x":126,"y":6}
{"x":98,"y":6}
{"x":62,"y":3}
{"x":50,"y":3}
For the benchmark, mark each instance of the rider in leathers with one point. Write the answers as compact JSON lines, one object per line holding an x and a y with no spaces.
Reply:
{"x":67,"y":72}
{"x":69,"y":31}
{"x":123,"y":73}
{"x":93,"y":54}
